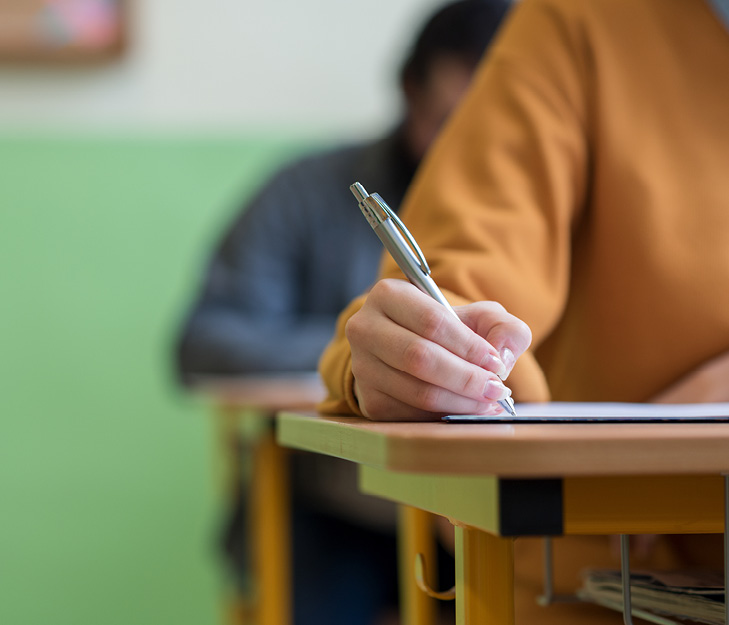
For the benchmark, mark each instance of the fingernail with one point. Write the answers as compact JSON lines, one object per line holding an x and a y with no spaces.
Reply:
{"x":508,"y":358}
{"x":495,"y":390}
{"x":494,"y":365}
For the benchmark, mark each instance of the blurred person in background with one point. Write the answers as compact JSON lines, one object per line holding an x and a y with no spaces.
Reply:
{"x":581,"y":186}
{"x":288,"y":264}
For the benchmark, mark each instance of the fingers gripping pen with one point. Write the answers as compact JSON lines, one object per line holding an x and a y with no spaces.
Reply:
{"x":405,"y":251}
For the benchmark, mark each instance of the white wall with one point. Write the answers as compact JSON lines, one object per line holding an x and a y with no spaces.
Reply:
{"x":222,"y":65}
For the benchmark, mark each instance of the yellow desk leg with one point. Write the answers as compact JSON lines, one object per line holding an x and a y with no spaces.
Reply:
{"x":484,"y":578}
{"x":271,"y":526}
{"x":415,"y":535}
{"x":239,"y":604}
{"x":228,"y":461}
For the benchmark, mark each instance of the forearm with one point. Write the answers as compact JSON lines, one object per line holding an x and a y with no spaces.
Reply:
{"x":705,"y":384}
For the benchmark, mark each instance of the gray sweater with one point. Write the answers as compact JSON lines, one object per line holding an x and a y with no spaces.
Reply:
{"x":290,"y":262}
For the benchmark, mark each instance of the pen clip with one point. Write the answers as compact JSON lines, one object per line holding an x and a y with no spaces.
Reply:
{"x":404,"y":231}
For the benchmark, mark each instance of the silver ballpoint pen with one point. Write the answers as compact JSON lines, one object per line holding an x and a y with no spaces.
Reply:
{"x":403,"y":248}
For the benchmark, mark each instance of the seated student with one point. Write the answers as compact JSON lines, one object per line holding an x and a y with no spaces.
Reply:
{"x":286,"y":267}
{"x":581,"y":185}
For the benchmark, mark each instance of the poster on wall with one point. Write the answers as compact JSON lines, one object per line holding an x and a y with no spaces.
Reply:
{"x":61,"y":30}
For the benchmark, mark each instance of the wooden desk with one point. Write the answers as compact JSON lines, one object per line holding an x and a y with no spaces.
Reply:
{"x":499,"y":481}
{"x":245,"y":408}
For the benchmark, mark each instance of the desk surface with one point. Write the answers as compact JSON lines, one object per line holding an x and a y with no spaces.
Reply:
{"x":531,"y":450}
{"x":268,"y":392}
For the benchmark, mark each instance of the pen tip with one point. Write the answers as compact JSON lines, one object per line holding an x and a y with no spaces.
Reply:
{"x":508,"y":405}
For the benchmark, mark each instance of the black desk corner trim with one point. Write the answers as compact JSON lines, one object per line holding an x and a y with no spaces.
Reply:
{"x":530,"y":507}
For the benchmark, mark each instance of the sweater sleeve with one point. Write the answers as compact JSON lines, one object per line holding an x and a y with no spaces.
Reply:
{"x":495,"y":203}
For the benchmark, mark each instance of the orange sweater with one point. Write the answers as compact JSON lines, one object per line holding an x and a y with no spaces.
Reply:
{"x":584,"y":184}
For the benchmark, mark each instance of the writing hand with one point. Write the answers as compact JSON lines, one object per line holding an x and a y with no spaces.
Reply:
{"x":413,"y":360}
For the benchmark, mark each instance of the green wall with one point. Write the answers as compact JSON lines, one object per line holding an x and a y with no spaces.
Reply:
{"x":108,"y":503}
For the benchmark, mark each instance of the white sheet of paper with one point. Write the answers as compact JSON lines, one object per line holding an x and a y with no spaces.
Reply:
{"x":601,"y":411}
{"x":607,"y":409}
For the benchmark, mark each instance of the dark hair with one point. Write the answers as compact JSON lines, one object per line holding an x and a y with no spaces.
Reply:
{"x":463,"y":28}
